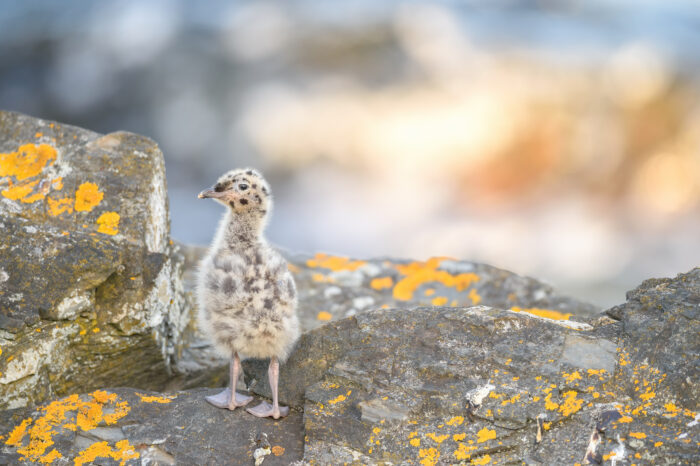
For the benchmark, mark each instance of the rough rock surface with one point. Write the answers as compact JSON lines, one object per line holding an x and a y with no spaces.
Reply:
{"x":422,"y":385}
{"x":333,"y":287}
{"x":90,"y":288}
{"x":127,"y":426}
{"x":490,"y":386}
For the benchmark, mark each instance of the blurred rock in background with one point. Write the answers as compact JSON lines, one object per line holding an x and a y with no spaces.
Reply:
{"x":557,"y":139}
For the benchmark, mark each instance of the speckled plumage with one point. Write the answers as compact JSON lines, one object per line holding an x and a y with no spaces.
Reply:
{"x":246,"y":294}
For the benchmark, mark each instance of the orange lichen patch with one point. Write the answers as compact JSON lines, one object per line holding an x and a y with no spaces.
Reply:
{"x":415,"y":442}
{"x":549,"y":404}
{"x":28,"y":161}
{"x":337,"y":399}
{"x":607,"y":456}
{"x":625,"y":420}
{"x":277,"y":450}
{"x":596,"y":372}
{"x":455,"y":421}
{"x":511,"y":400}
{"x":485,"y":434}
{"x":334,"y":263}
{"x":671,"y":410}
{"x":38,"y":134}
{"x":437,"y":438}
{"x":382,"y":283}
{"x":439,"y":301}
{"x":50,"y":457}
{"x":429,"y":292}
{"x":59,"y":206}
{"x":58,"y":183}
{"x":546,"y":313}
{"x":320,"y":278}
{"x":89,"y":415}
{"x":121,"y":452}
{"x":571,"y":403}
{"x":155,"y":399}
{"x":571,"y":377}
{"x":18,"y":433}
{"x":486,"y":459}
{"x":462,"y":451}
{"x":474,"y":296}
{"x":108,"y":223}
{"x":658,"y":444}
{"x":648,"y":395}
{"x":418,"y":273}
{"x":33,"y":198}
{"x":87,"y":197}
{"x":459,"y":437}
{"x":547,"y":425}
{"x":639,"y":435}
{"x":429,"y":456}
{"x":16,"y":192}
{"x":324,"y":315}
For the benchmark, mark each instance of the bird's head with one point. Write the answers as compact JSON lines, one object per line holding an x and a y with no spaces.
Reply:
{"x":243,"y":190}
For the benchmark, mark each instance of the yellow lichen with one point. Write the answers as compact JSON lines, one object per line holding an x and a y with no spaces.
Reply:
{"x":334,"y":263}
{"x":418,"y":273}
{"x":571,"y":403}
{"x":625,"y":419}
{"x":459,"y":437}
{"x":571,"y":377}
{"x":437,"y":438}
{"x":277,"y":450}
{"x":16,"y":192}
{"x":474,"y":296}
{"x":455,"y":421}
{"x":439,"y":301}
{"x":546,"y":313}
{"x":59,"y":206}
{"x":414,"y":442}
{"x":382,"y":283}
{"x":671,"y":410}
{"x":430,"y":456}
{"x":89,"y":414}
{"x":28,"y":161}
{"x":50,"y":457}
{"x":549,"y":404}
{"x":87,"y":197}
{"x":337,"y":399}
{"x":486,"y":459}
{"x":122,"y":452}
{"x":18,"y":433}
{"x":639,"y":435}
{"x":462,"y":451}
{"x":154,"y":398}
{"x":658,"y":444}
{"x":485,"y":434}
{"x":324,"y":315}
{"x":108,"y":223}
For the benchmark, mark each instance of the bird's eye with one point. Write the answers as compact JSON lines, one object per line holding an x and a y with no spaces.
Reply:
{"x":242,"y":186}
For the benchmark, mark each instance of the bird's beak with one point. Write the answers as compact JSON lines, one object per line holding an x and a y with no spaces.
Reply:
{"x":207,"y":193}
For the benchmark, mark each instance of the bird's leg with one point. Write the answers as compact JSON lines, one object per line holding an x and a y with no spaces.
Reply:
{"x":229,"y":398}
{"x":266,"y":409}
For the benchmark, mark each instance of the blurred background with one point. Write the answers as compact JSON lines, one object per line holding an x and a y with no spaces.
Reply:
{"x":554,"y":138}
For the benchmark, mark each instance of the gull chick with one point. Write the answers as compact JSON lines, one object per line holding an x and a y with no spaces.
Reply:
{"x":246,"y":294}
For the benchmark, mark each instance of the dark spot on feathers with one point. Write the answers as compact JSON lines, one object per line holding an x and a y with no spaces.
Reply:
{"x":219,"y":187}
{"x":264,"y":189}
{"x":228,"y":286}
{"x":212,"y":284}
{"x":257,"y":198}
{"x":267,"y":303}
{"x":232,"y":203}
{"x":244,"y":201}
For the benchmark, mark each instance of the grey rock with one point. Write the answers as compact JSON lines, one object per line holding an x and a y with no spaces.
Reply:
{"x":91,"y":291}
{"x":145,"y":428}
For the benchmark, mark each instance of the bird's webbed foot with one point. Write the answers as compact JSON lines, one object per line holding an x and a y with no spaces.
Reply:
{"x":224,"y":399}
{"x":265,"y":409}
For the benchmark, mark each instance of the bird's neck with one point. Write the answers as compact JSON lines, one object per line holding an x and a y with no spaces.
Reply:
{"x":237,"y":232}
